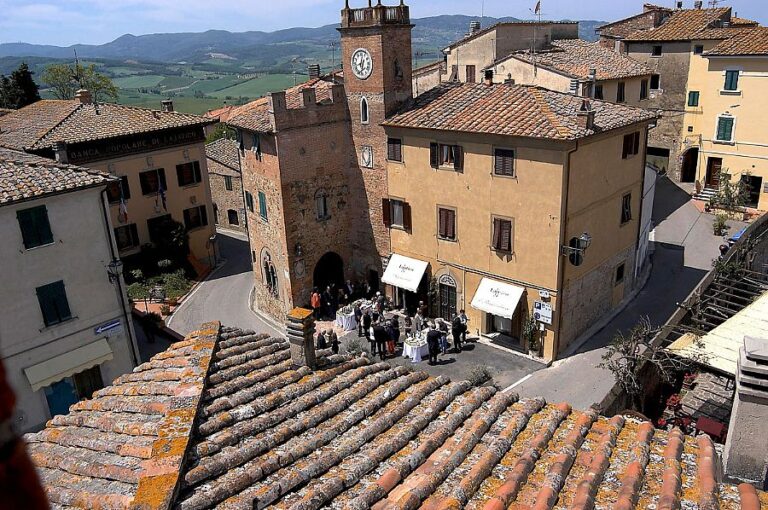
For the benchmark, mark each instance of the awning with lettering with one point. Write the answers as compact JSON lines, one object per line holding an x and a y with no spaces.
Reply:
{"x":404,"y":272}
{"x":67,"y":364}
{"x":497,"y":298}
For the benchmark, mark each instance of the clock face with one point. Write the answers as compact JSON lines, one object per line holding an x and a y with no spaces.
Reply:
{"x":362,"y":63}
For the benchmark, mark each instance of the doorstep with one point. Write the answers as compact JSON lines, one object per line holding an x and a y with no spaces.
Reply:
{"x":486,"y":340}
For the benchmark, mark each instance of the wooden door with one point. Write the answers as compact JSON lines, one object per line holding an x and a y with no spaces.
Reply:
{"x":714,"y":166}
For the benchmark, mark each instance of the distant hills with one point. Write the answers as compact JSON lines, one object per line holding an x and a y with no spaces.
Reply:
{"x":430,"y":35}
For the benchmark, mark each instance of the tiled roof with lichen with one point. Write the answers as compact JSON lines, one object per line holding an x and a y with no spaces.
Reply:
{"x":23,"y":128}
{"x":512,"y":110}
{"x":226,"y":420}
{"x":684,"y":25}
{"x":575,"y":58}
{"x":749,"y":42}
{"x":255,"y":116}
{"x":24,"y":176}
{"x":224,"y":151}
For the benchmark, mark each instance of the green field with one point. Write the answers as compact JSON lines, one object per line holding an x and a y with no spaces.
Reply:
{"x":257,"y":87}
{"x":135,"y":82}
{"x":175,"y":82}
{"x":180,"y":103}
{"x":216,"y":83}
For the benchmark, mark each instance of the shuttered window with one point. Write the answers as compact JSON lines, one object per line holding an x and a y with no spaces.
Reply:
{"x":53,"y":303}
{"x":395,"y":149}
{"x":504,"y":162}
{"x":118,"y":190}
{"x":34,"y":225}
{"x":693,"y":98}
{"x":446,"y":224}
{"x":151,"y":181}
{"x":631,"y":145}
{"x":443,"y":155}
{"x":249,"y":200}
{"x":725,"y":129}
{"x":396,"y":213}
{"x":263,"y":206}
{"x":731,"y":80}
{"x":196,"y":217}
{"x":188,"y":173}
{"x":626,"y":208}
{"x":502,"y":235}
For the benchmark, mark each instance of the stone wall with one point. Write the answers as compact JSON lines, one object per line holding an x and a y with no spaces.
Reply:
{"x":225,"y":200}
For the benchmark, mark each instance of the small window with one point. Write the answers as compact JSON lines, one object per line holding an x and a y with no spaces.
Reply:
{"x":502,"y":235}
{"x":232,"y":217}
{"x":364,"y":116}
{"x":619,"y":279}
{"x":53,"y":303}
{"x":118,"y":190}
{"x":396,"y":213}
{"x":504,"y":162}
{"x":621,"y":92}
{"x":631,"y":145}
{"x":188,"y":174}
{"x":698,"y":49}
{"x":127,"y":237}
{"x":655,"y":82}
{"x":626,"y":208}
{"x":263,"y":206}
{"x":443,"y":155}
{"x":321,"y":206}
{"x":446,"y":224}
{"x":693,"y":98}
{"x":690,"y":129}
{"x":643,"y":90}
{"x":656,"y":51}
{"x":152,"y":181}
{"x":249,"y":201}
{"x":724,"y":129}
{"x":228,"y":182}
{"x":731,"y":81}
{"x":35,"y":228}
{"x":471,"y":74}
{"x":196,"y":217}
{"x":395,"y":149}
{"x":598,"y":91}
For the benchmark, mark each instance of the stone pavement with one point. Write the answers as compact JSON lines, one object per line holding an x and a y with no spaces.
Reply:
{"x":684,"y":250}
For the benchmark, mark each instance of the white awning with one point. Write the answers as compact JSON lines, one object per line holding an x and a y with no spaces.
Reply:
{"x":404,"y":272}
{"x":70,"y":363}
{"x":496,"y":298}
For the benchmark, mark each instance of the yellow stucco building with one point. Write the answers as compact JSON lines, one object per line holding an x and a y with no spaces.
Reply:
{"x":491,"y":190}
{"x":724,"y":125}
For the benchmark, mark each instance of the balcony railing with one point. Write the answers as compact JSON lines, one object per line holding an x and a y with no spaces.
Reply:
{"x":375,"y":15}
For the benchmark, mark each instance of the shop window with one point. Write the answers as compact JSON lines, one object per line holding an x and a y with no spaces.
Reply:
{"x":152,"y":180}
{"x":35,"y":227}
{"x":127,"y":237}
{"x":70,"y":390}
{"x":53,"y":303}
{"x":188,"y":174}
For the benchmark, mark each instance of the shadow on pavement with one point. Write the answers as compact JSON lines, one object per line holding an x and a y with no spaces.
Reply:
{"x":669,"y":198}
{"x":237,"y":254}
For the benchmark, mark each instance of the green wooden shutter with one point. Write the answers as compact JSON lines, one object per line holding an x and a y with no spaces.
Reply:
{"x":725,"y":129}
{"x":263,"y":205}
{"x":35,"y":227}
{"x":434,"y":158}
{"x":53,"y":303}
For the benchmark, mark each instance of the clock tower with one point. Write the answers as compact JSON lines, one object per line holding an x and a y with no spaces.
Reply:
{"x":377,"y":62}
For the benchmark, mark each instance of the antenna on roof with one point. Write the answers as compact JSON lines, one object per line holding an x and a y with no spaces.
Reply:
{"x":713,"y":3}
{"x":333,"y":45}
{"x":77,"y":76}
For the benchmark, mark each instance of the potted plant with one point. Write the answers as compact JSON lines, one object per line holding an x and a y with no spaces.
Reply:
{"x":688,"y":380}
{"x":531,"y":335}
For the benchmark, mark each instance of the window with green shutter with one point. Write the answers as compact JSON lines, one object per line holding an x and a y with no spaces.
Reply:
{"x":731,"y":80}
{"x":249,"y":200}
{"x":693,"y":98}
{"x":263,"y":205}
{"x":35,"y":228}
{"x":725,"y":129}
{"x":53,"y":303}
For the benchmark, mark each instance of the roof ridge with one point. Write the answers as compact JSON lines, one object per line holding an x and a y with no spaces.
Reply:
{"x":51,"y":130}
{"x":538,"y":95}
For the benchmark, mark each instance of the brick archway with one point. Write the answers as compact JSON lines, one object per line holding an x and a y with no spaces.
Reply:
{"x":329,"y":270}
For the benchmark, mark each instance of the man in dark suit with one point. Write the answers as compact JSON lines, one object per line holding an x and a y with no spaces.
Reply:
{"x":433,"y":342}
{"x":380,"y":336}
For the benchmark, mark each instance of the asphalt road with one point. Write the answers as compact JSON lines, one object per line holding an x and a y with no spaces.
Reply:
{"x":224,"y":296}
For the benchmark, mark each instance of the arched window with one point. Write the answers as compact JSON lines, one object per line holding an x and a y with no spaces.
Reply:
{"x":447,"y":291}
{"x":364,"y":111}
{"x":321,"y":205}
{"x":270,"y":274}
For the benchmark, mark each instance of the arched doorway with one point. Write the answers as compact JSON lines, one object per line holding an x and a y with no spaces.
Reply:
{"x":329,"y":270}
{"x":690,"y":165}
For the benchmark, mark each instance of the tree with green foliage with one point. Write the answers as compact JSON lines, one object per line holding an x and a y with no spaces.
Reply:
{"x":220,"y":131}
{"x":18,"y":90}
{"x":65,"y":80}
{"x":731,"y":195}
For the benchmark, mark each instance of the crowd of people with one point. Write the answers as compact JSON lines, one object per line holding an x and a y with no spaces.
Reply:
{"x":325,"y":304}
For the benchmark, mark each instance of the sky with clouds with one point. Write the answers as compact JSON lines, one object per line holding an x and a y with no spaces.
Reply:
{"x":65,"y":22}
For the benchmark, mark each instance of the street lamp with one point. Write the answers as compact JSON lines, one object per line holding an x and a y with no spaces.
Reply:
{"x":115,"y":269}
{"x":576,"y":248}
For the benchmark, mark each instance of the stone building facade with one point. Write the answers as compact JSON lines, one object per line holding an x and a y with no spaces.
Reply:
{"x":226,"y":183}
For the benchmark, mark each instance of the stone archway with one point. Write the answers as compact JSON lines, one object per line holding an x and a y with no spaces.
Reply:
{"x":328,"y":270}
{"x":690,"y":165}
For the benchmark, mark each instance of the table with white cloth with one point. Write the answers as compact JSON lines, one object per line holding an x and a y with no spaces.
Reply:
{"x":415,"y":352}
{"x":346,"y":322}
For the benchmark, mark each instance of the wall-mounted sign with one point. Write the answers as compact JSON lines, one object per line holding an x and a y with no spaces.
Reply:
{"x":544,"y":294}
{"x":542,"y":312}
{"x":109,"y":329}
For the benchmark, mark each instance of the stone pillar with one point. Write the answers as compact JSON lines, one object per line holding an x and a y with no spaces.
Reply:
{"x":300,"y":327}
{"x":746,"y":449}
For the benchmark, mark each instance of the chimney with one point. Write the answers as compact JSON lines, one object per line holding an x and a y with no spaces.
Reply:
{"x":698,"y":4}
{"x":586,"y":115}
{"x":746,"y":448}
{"x":167,"y":105}
{"x":61,"y":152}
{"x":300,"y":326}
{"x":509,"y":80}
{"x":679,"y":5}
{"x":592,"y":82}
{"x":488,"y":77}
{"x":474,"y":27}
{"x":84,"y":96}
{"x":314,"y":71}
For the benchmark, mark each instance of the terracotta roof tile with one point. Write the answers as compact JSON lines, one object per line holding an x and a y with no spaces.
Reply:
{"x":22,"y":129}
{"x":511,"y":110}
{"x":24,"y":177}
{"x":575,"y":58}
{"x":684,"y":25}
{"x":749,"y":42}
{"x":357,"y":434}
{"x":224,"y":151}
